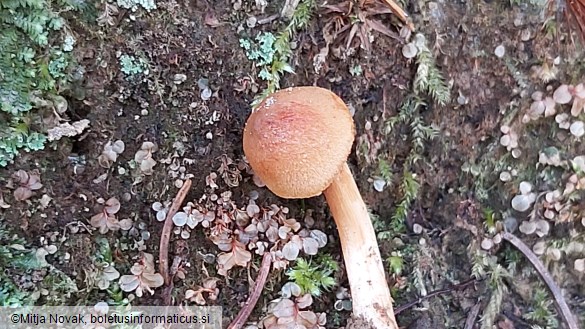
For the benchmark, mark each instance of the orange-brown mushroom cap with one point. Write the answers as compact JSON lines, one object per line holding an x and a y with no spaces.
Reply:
{"x":297,"y":139}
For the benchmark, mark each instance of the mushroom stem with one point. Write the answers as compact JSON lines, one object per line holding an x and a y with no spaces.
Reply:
{"x":367,"y":280}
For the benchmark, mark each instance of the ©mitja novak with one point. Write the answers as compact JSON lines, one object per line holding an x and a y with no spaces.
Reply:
{"x":50,"y":318}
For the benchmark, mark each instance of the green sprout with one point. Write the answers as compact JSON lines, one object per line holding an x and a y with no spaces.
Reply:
{"x":313,"y":277}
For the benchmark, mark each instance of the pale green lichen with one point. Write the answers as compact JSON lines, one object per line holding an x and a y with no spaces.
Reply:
{"x":133,"y":5}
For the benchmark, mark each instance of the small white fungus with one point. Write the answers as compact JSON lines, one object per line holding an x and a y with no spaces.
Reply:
{"x":379,"y":184}
{"x":522,"y":202}
{"x":527,"y":227}
{"x":500,"y":51}
{"x":562,"y":95}
{"x":505,"y":176}
{"x":539,"y":248}
{"x":525,"y":187}
{"x":409,"y":50}
{"x":577,"y":128}
{"x":580,"y":265}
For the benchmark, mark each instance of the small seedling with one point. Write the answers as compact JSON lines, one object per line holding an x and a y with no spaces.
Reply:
{"x":396,"y":263}
{"x":543,"y":310}
{"x":145,"y":158}
{"x":110,"y":153}
{"x":312,"y":278}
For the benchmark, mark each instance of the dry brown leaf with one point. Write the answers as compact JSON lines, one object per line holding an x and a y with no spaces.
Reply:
{"x":21,"y":194}
{"x":506,"y":324}
{"x":110,"y":153}
{"x":304,"y":301}
{"x":27,"y":183}
{"x":144,"y":157}
{"x":143,"y":277}
{"x":578,"y":106}
{"x":284,"y":308}
{"x":104,"y":222}
{"x":107,"y":221}
{"x":237,"y":256}
{"x":289,"y":314}
{"x":112,"y":206}
{"x":208,"y":288}
{"x":211,"y":20}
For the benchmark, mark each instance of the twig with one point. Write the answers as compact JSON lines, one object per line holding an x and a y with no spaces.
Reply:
{"x":166,"y":233}
{"x":470,"y":322}
{"x":398,"y":11}
{"x":408,"y":305}
{"x":516,"y":319}
{"x":167,"y":293}
{"x":255,"y":295}
{"x":552,"y":286}
{"x":266,"y":20}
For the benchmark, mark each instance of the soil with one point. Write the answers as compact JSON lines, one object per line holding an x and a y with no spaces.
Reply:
{"x":175,"y":39}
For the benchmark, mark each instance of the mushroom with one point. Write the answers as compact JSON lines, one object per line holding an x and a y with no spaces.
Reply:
{"x":297,"y":141}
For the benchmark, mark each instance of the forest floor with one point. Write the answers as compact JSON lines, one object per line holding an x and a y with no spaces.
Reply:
{"x":176,"y":85}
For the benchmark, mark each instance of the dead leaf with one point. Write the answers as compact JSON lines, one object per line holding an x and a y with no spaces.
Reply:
{"x":108,"y":274}
{"x":27,"y":182}
{"x":112,"y":206}
{"x":100,"y":178}
{"x":506,"y":324}
{"x":22,"y":193}
{"x":578,"y":106}
{"x":104,"y":223}
{"x":310,"y":246}
{"x":143,"y":277}
{"x":125,"y":224}
{"x":152,"y":280}
{"x":284,"y":309}
{"x":3,"y":204}
{"x":290,"y":251}
{"x":288,"y":314}
{"x":238,"y":256}
{"x":129,"y":283}
{"x":209,"y":288}
{"x":45,"y":200}
{"x":211,"y":20}
{"x":110,"y":153}
{"x":107,"y":221}
{"x":144,"y":157}
{"x":304,"y":301}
